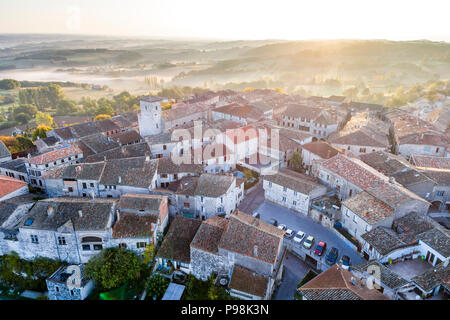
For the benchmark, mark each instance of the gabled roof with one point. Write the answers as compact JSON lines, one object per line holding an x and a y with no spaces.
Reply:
{"x":245,"y":280}
{"x":60,"y":152}
{"x":436,"y":276}
{"x":252,"y":237}
{"x":438,"y":240}
{"x":9,"y":185}
{"x":336,"y":284}
{"x":368,"y":208}
{"x":96,"y":214}
{"x":209,"y":234}
{"x":136,"y":172}
{"x":322,"y":149}
{"x":294,"y":181}
{"x":430,"y":162}
{"x":176,"y":243}
{"x":358,"y":138}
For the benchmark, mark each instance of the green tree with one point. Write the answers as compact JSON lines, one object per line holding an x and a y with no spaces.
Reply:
{"x":102,"y":117}
{"x":297,"y":162}
{"x":44,"y":119}
{"x":24,"y":113}
{"x":41,"y":132}
{"x":148,"y":254}
{"x":156,"y":287}
{"x":113,"y":267}
{"x":66,"y":107}
{"x":9,"y":84}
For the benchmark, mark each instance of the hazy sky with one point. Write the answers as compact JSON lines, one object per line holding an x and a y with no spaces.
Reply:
{"x":232,"y":19}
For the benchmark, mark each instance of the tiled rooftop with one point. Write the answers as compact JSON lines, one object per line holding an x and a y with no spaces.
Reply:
{"x":368,"y":208}
{"x":56,"y":154}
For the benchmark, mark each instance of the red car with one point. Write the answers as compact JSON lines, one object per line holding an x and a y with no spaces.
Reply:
{"x":320,"y":249}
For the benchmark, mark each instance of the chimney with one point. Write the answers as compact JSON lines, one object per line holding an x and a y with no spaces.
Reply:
{"x":255,"y":251}
{"x":29,"y":156}
{"x":118,"y":215}
{"x":120,"y":179}
{"x":92,"y":194}
{"x":80,"y":214}
{"x":50,"y":211}
{"x":353,"y":281}
{"x":122,"y":149}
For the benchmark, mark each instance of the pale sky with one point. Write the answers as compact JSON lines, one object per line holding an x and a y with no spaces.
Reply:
{"x":232,"y":19}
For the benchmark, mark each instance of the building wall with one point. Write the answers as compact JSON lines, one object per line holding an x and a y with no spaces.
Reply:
{"x":426,"y":150}
{"x":150,"y":118}
{"x":204,"y":264}
{"x":359,"y":150}
{"x":66,"y":293}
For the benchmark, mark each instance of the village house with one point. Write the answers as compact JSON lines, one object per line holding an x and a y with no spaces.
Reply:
{"x":65,"y":229}
{"x":402,"y":171}
{"x":317,"y":121}
{"x":245,"y":114}
{"x":175,"y":248}
{"x":337,"y":283}
{"x":292,"y":190}
{"x":440,"y":197}
{"x":61,"y":156}
{"x":358,"y":142}
{"x":150,"y":117}
{"x":59,"y":289}
{"x":127,"y":151}
{"x":140,"y":221}
{"x":421,"y":161}
{"x":169,"y":172}
{"x":246,"y":250}
{"x":316,"y":151}
{"x":15,"y":169}
{"x":206,"y":196}
{"x":45,"y":144}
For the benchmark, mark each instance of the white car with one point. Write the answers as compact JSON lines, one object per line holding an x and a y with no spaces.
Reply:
{"x":282,"y":227}
{"x":308,"y":242}
{"x":289,"y":233}
{"x":299,"y":236}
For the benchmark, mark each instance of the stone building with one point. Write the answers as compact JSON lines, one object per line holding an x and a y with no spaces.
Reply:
{"x":150,"y":118}
{"x":292,"y":190}
{"x":64,"y":284}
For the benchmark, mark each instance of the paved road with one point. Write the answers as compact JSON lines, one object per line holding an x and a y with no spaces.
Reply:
{"x":295,"y":270}
{"x":296,"y":221}
{"x":253,"y":199}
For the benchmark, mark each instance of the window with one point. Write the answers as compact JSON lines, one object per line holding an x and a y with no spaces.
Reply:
{"x":62,"y":241}
{"x":122,"y":245}
{"x":86,"y":247}
{"x":284,"y":199}
{"x":164,"y":147}
{"x":284,"y":189}
{"x":362,"y":150}
{"x":221,"y":200}
{"x":270,"y":184}
{"x":70,"y":189}
{"x":163,"y":175}
{"x":98,"y":247}
{"x":202,"y":199}
{"x":92,"y":184}
{"x":294,"y":203}
{"x":295,"y":193}
{"x":34,"y":239}
{"x":72,"y":293}
{"x":84,"y":185}
{"x":440,"y":193}
{"x":141,"y":245}
{"x":175,"y":176}
{"x":187,"y":204}
{"x":57,"y":289}
{"x":354,"y":218}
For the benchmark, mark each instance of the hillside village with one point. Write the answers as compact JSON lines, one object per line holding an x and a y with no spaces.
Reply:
{"x":270,"y":188}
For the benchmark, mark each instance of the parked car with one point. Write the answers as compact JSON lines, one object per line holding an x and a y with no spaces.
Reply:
{"x":332,"y":256}
{"x":282,"y":227}
{"x":345,"y":260}
{"x":299,"y":236}
{"x":320,"y":248}
{"x":256,"y":215}
{"x":289,"y":233}
{"x":308,"y":242}
{"x":273,"y":222}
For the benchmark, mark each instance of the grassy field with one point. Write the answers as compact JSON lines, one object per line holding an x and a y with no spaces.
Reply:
{"x":77,"y":93}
